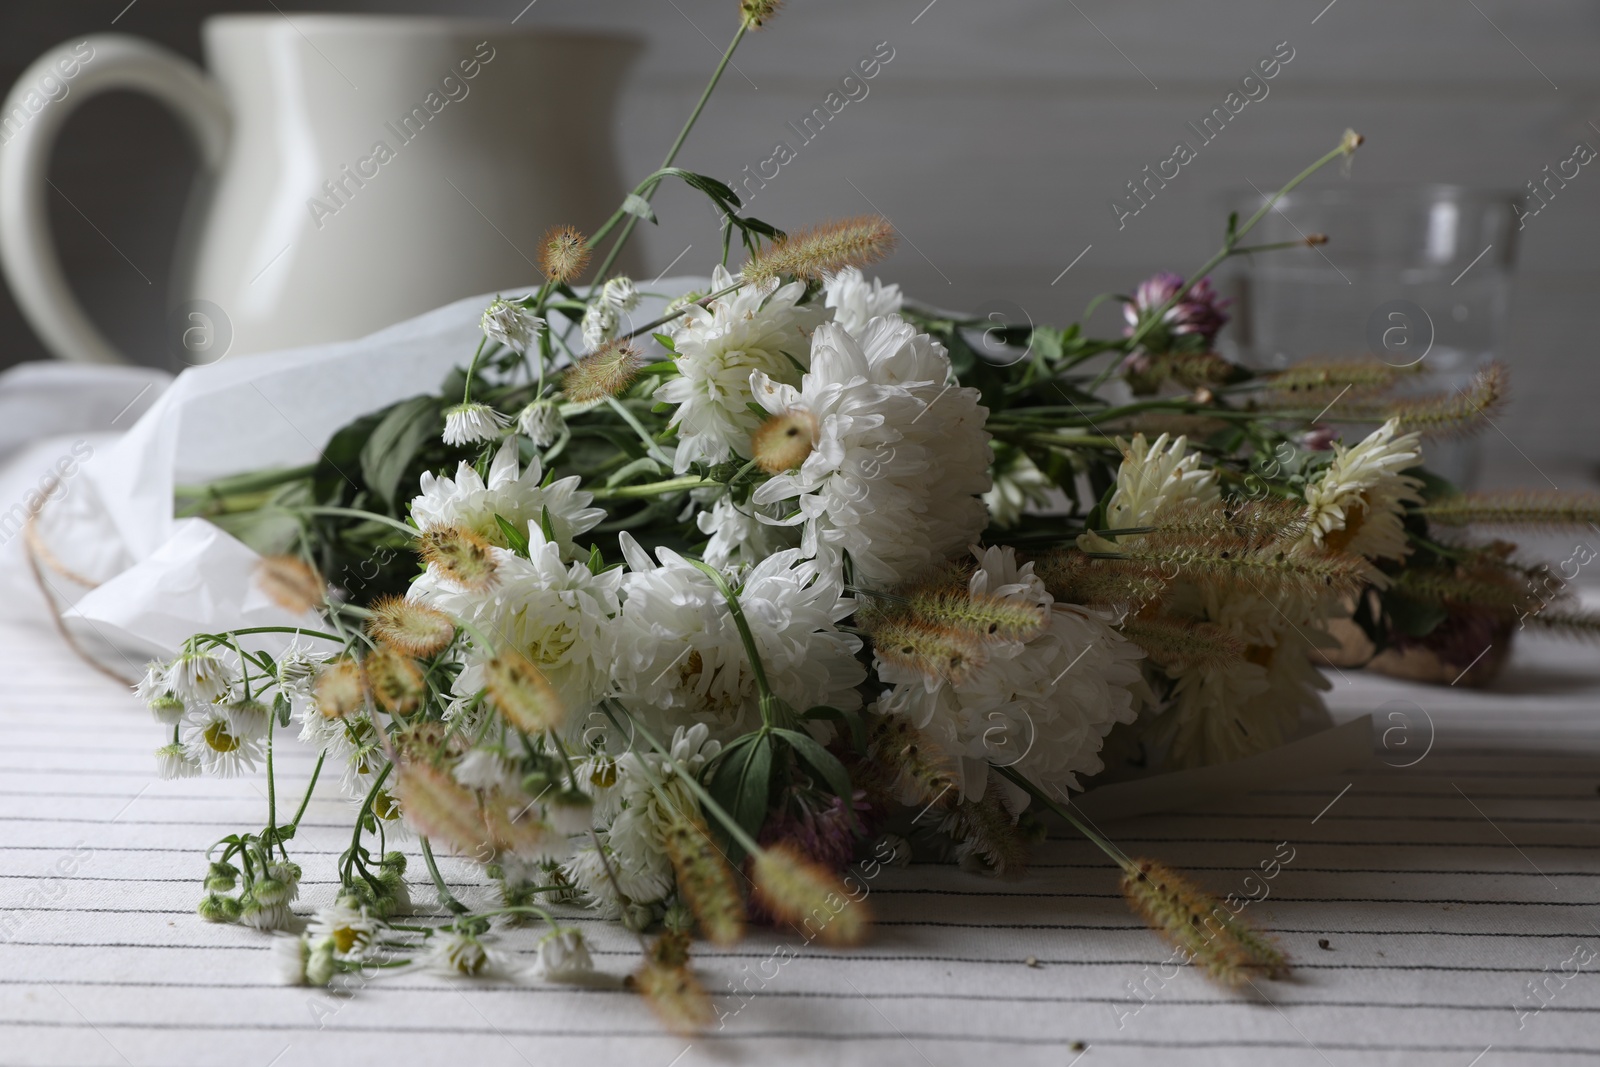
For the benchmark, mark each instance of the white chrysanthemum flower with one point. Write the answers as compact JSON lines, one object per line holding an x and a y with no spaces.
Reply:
{"x":600,"y":324}
{"x":901,"y":456}
{"x":466,"y":424}
{"x":1018,"y":485}
{"x":199,"y":677}
{"x":856,"y":303}
{"x":289,"y":958}
{"x":620,"y":293}
{"x":456,"y":955}
{"x":541,"y":422}
{"x":174,"y":761}
{"x":556,"y":614}
{"x":718,"y":347}
{"x":483,"y":768}
{"x":739,"y":539}
{"x":210,"y":740}
{"x":511,"y":324}
{"x":1155,"y":479}
{"x":1358,"y":505}
{"x":467,"y":500}
{"x":563,"y":956}
{"x":349,"y":929}
{"x":679,"y":656}
{"x":1043,"y":706}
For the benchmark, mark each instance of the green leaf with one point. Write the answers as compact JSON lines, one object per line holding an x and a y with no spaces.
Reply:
{"x":517,"y":539}
{"x":280,"y":704}
{"x":1410,"y":616}
{"x":740,"y":783}
{"x":394,"y":443}
{"x":545,"y":524}
{"x":820,"y":760}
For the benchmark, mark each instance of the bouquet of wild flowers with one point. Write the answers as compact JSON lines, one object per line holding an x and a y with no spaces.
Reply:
{"x":674,"y":620}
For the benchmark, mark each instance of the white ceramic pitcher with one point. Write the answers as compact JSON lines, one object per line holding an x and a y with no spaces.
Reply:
{"x":356,"y":170}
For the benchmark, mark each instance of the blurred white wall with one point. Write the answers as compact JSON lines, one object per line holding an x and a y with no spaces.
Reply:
{"x":998,"y":134}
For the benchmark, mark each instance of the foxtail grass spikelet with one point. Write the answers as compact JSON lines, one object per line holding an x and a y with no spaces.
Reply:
{"x":1548,"y":510}
{"x":340,"y":689}
{"x":806,"y":895}
{"x":409,"y":627}
{"x":783,"y":442}
{"x":291,"y":583}
{"x":563,"y":254}
{"x":461,"y":555}
{"x":1180,"y":643}
{"x":1073,"y":577}
{"x":1320,"y":377}
{"x":525,"y":698}
{"x":988,"y":839}
{"x":1195,"y":370}
{"x":916,"y":769}
{"x":1199,"y":925}
{"x":1463,"y":412}
{"x":395,"y":681}
{"x":942,"y":652}
{"x":1580,"y":625}
{"x":1226,"y":562}
{"x":1496,"y":589}
{"x":670,"y":987}
{"x":440,"y":808}
{"x":705,"y":880}
{"x":986,"y":617}
{"x":814,"y":253}
{"x":1252,"y":524}
{"x":607,"y":371}
{"x":757,"y":13}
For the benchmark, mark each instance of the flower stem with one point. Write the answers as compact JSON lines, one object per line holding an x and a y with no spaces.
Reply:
{"x":671,"y":485}
{"x":445,"y":896}
{"x":672,"y":153}
{"x":306,"y":800}
{"x":1105,"y":845}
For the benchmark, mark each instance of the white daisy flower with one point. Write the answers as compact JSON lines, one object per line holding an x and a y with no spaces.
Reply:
{"x":901,"y":455}
{"x":456,"y":955}
{"x":199,"y":677}
{"x":483,"y":768}
{"x":210,"y":740}
{"x":620,"y":293}
{"x":348,"y":929}
{"x":466,"y":424}
{"x":556,"y":614}
{"x":563,"y":956}
{"x":174,"y":761}
{"x":600,"y":323}
{"x":541,"y":422}
{"x":679,"y":656}
{"x":718,"y":346}
{"x":259,"y":916}
{"x":511,"y":324}
{"x":1359,"y":503}
{"x":289,"y":958}
{"x":298,"y":668}
{"x":470,"y":501}
{"x":247,"y":719}
{"x":1043,"y":706}
{"x":856,"y":303}
{"x":1018,"y":485}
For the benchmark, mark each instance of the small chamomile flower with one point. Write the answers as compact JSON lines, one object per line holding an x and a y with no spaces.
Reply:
{"x":198,"y":677}
{"x":174,"y":761}
{"x":484,"y":768}
{"x":541,"y":422}
{"x":456,"y":954}
{"x":563,"y":956}
{"x":470,"y":423}
{"x":263,"y":916}
{"x":164,"y":704}
{"x":620,"y":293}
{"x":599,"y":324}
{"x":210,"y":740}
{"x":290,"y":956}
{"x":346,"y":926}
{"x":511,"y":324}
{"x":216,"y":908}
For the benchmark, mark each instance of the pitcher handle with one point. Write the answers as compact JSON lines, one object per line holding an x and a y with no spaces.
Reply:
{"x":35,"y":110}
